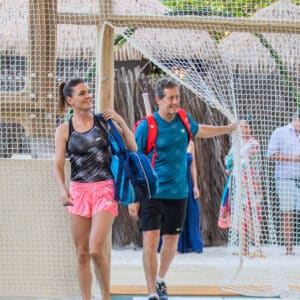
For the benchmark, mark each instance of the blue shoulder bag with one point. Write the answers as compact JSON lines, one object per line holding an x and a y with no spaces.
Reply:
{"x":135,"y":179}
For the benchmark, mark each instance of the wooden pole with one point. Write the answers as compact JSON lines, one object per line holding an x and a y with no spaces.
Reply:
{"x":107,"y":69}
{"x":41,"y":74}
{"x":105,"y":78}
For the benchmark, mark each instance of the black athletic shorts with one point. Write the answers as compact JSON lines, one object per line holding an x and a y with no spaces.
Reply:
{"x":165,"y":214}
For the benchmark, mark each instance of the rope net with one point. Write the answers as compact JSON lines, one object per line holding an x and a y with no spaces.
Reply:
{"x":242,"y":58}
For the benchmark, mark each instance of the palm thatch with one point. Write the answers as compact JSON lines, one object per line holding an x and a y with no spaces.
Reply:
{"x":173,"y":43}
{"x":138,"y":7}
{"x":243,"y":51}
{"x":13,"y":26}
{"x":265,"y":66}
{"x":73,"y":41}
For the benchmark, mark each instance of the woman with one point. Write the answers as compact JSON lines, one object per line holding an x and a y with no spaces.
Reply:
{"x":90,"y":200}
{"x":224,"y":215}
{"x":251,"y":192}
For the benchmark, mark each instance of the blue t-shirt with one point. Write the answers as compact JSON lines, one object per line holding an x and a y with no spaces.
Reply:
{"x":171,"y":161}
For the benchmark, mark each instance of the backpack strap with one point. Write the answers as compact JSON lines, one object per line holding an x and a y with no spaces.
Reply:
{"x":151,"y":138}
{"x":185,"y":120}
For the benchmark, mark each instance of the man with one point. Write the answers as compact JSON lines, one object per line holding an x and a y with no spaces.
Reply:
{"x":164,"y":214}
{"x":284,"y":150}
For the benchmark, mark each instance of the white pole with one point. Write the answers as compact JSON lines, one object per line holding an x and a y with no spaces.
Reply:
{"x":147,"y":103}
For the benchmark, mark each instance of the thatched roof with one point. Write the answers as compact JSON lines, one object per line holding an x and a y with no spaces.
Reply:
{"x":174,"y":43}
{"x":73,"y":41}
{"x":13,"y":26}
{"x":79,"y":41}
{"x":139,"y":7}
{"x":135,"y":7}
{"x":244,"y":51}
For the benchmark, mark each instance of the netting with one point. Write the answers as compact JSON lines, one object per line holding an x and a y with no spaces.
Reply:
{"x":242,"y":58}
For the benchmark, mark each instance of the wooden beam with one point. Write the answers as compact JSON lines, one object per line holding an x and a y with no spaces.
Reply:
{"x":107,"y":69}
{"x":78,"y":19}
{"x":172,"y":290}
{"x":201,"y":23}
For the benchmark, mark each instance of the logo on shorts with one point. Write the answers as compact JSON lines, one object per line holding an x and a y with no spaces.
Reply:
{"x":178,"y":229}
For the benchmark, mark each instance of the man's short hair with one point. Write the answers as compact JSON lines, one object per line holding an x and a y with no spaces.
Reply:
{"x":162,"y":84}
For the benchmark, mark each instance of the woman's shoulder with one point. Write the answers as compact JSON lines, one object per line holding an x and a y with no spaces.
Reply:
{"x":63,"y":126}
{"x":62,"y":130}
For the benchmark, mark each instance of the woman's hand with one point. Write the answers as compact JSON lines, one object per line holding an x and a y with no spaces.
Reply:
{"x":111,"y":114}
{"x":122,"y":128}
{"x":66,"y":198}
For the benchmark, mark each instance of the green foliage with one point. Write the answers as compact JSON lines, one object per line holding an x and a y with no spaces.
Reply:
{"x":120,"y":40}
{"x":237,"y":8}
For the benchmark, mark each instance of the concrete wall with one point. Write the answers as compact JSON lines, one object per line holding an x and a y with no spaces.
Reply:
{"x":37,"y":256}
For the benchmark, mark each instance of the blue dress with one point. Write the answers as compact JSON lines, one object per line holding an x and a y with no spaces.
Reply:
{"x":190,"y":240}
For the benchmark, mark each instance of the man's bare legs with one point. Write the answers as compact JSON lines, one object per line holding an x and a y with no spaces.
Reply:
{"x":150,"y":260}
{"x":288,"y":230}
{"x":167,"y":253}
{"x":150,"y":244}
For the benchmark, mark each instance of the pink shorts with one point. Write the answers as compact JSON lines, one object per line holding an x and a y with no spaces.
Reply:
{"x":92,"y":197}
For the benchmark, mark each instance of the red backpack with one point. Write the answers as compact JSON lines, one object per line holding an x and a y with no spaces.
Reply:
{"x":152,"y":131}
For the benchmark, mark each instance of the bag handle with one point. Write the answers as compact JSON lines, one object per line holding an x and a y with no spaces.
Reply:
{"x":117,"y":136}
{"x":112,"y":134}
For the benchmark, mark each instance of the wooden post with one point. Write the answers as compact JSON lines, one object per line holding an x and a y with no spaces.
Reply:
{"x":107,"y":69}
{"x":41,"y":72}
{"x":105,"y":74}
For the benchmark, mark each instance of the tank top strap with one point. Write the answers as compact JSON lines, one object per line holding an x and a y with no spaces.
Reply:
{"x":71,"y":128}
{"x":99,"y":121}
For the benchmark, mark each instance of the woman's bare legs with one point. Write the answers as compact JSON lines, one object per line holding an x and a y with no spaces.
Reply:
{"x":90,"y":236}
{"x":100,"y":231}
{"x":80,"y":227}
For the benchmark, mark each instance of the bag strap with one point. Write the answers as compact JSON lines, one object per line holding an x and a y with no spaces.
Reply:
{"x":116,"y":136}
{"x":112,"y":133}
{"x":151,"y":138}
{"x":122,"y":155}
{"x":118,"y":150}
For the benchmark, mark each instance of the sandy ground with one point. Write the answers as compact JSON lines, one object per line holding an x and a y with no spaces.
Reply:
{"x":187,"y":268}
{"x":210,"y":268}
{"x":217,"y":267}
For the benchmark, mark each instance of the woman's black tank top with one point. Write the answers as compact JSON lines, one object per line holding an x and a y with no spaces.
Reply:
{"x":89,"y":154}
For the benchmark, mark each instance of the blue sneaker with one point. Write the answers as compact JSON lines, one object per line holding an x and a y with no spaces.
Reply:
{"x":161,"y":289}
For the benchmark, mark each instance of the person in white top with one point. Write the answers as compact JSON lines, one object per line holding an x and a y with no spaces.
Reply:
{"x":284,"y":150}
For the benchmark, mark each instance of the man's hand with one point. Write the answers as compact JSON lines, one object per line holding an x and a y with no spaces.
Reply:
{"x":232,"y":126}
{"x":134,"y":209}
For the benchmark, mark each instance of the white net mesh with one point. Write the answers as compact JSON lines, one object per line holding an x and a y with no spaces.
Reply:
{"x":239,"y":57}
